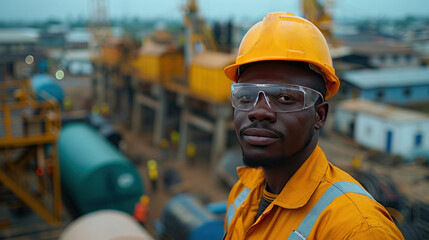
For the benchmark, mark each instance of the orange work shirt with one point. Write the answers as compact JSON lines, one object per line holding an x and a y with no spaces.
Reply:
{"x":348,"y":216}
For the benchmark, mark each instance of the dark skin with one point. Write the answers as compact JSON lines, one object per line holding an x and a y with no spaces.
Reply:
{"x":279,"y":142}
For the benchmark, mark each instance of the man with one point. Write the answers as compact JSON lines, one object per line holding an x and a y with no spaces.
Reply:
{"x":283,"y":74}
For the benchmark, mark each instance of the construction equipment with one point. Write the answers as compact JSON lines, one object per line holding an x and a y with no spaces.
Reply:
{"x":185,"y":217}
{"x":206,"y":75}
{"x":159,"y":60}
{"x":94,"y":173}
{"x":198,"y":36}
{"x":318,"y":13}
{"x":99,"y":27}
{"x":28,"y":153}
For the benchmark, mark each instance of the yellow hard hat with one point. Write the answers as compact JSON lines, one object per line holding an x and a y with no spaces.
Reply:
{"x":104,"y":109}
{"x":144,"y":199}
{"x":164,"y":143}
{"x":151,"y":164}
{"x":191,"y":150}
{"x":285,"y":37}
{"x":174,"y":136}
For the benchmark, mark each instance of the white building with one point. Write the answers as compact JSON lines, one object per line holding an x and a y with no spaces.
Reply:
{"x":77,"y":62}
{"x":383,"y":127}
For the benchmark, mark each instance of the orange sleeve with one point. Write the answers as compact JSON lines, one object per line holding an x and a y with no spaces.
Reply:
{"x":376,"y":233}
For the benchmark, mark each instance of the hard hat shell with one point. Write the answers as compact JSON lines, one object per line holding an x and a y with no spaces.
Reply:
{"x":285,"y":37}
{"x":144,"y":199}
{"x":151,"y":164}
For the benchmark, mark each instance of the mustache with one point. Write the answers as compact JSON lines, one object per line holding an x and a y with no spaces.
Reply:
{"x":260,"y":126}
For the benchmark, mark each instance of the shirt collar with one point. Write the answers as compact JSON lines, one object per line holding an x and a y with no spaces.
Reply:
{"x":251,"y":177}
{"x":299,"y":188}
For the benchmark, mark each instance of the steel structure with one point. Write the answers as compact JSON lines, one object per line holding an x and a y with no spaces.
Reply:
{"x":28,"y":151}
{"x":198,"y":35}
{"x":99,"y":26}
{"x":318,"y":12}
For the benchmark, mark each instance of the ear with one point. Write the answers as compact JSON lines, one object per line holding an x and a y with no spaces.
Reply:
{"x":321,"y":115}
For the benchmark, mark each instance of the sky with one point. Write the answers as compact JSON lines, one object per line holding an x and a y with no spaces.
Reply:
{"x":39,"y":10}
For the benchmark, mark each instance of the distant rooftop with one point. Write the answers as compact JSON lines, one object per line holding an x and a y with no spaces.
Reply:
{"x":382,"y":110}
{"x":392,"y":77}
{"x":382,"y":48}
{"x":78,"y":35}
{"x":365,"y":43}
{"x":21,"y":35}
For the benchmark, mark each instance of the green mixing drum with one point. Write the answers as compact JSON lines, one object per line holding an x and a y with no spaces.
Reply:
{"x":94,"y":174}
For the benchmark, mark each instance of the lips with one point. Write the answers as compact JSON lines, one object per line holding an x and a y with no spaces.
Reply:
{"x":260,"y":136}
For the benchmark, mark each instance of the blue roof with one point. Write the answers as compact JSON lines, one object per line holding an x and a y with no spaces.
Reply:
{"x":393,"y":77}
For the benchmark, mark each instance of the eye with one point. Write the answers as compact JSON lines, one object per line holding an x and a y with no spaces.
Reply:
{"x":244,"y":98}
{"x":285,"y":98}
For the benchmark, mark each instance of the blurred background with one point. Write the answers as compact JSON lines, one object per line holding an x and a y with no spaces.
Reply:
{"x":115,"y":121}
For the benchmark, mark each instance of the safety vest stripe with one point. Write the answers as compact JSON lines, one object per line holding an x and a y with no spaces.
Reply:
{"x":230,"y":214}
{"x":241,"y":197}
{"x":237,"y":202}
{"x":336,"y":190}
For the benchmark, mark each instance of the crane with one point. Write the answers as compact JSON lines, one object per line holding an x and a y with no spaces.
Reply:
{"x":98,"y":26}
{"x":318,"y":13}
{"x":198,"y":35}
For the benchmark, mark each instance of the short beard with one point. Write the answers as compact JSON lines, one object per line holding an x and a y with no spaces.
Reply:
{"x":271,"y":162}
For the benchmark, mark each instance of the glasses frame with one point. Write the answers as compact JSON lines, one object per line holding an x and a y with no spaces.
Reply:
{"x":267,"y":100}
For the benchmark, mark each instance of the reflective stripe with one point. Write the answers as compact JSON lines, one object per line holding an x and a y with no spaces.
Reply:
{"x":230,"y":214}
{"x":336,"y":190}
{"x":237,"y":202}
{"x":241,"y":197}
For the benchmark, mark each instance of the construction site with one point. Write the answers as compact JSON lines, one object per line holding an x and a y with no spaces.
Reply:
{"x":121,"y":136}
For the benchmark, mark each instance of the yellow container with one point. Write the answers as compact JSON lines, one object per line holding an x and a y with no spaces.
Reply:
{"x":111,"y":53}
{"x":157,"y":63}
{"x":161,"y":68}
{"x":207,"y":77}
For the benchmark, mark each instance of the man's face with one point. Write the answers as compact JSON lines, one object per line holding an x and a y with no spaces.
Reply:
{"x":268,"y":138}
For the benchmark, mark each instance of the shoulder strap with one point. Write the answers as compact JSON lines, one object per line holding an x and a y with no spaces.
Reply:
{"x":336,"y":190}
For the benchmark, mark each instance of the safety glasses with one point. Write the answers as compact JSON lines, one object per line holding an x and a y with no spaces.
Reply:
{"x":279,"y":97}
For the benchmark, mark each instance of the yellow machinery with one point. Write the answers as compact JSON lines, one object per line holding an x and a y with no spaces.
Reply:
{"x":111,"y":52}
{"x":206,"y":75}
{"x":159,"y":61}
{"x":318,"y":12}
{"x":28,"y":151}
{"x":319,"y":15}
{"x":206,"y":63}
{"x":198,"y":35}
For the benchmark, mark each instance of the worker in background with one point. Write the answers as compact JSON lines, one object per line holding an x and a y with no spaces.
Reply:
{"x":174,"y":138}
{"x":191,"y":152}
{"x":164,"y":144}
{"x":288,"y":189}
{"x":152,"y":167}
{"x":141,"y":209}
{"x":68,"y":103}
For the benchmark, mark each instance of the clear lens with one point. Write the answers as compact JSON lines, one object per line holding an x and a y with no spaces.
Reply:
{"x":281,"y":98}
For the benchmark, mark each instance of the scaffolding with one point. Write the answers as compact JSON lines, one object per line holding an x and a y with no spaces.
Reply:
{"x":29,"y":166}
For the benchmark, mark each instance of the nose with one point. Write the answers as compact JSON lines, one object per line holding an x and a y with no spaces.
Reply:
{"x":262,"y":111}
